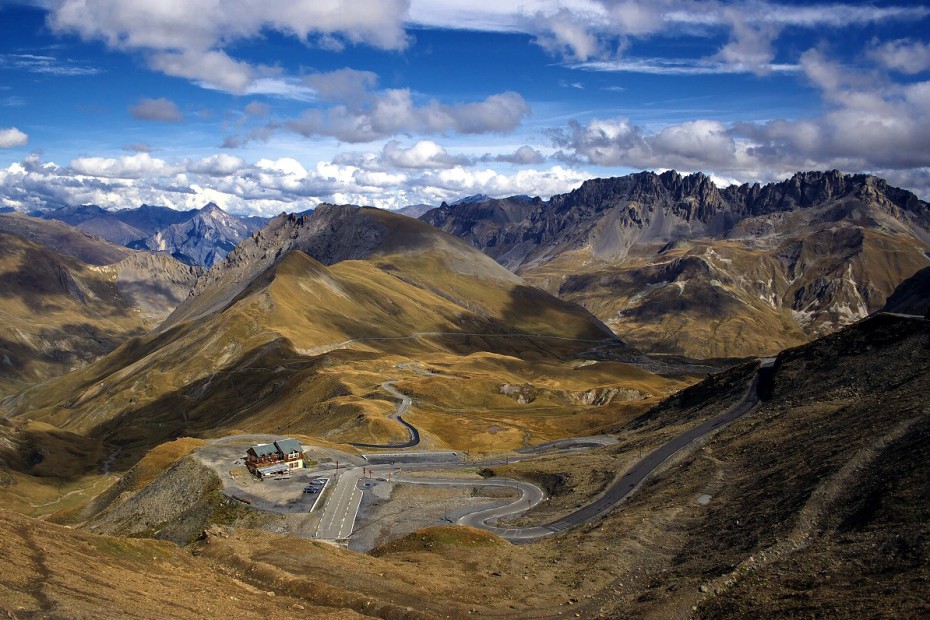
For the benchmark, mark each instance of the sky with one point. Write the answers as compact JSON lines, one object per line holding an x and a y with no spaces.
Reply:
{"x":264,"y":107}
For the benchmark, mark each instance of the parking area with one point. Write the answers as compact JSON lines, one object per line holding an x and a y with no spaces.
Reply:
{"x":293,"y":491}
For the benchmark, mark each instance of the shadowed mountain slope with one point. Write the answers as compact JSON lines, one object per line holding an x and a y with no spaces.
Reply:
{"x":60,"y":313}
{"x":251,"y":347}
{"x":912,"y":296}
{"x":673,"y":264}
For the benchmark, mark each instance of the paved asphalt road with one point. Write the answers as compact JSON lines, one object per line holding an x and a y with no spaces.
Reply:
{"x":402,"y":408}
{"x":341,"y":507}
{"x":635,"y":476}
{"x":530,"y":496}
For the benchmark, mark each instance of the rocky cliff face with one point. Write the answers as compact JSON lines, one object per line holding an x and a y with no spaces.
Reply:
{"x":202,"y":240}
{"x":674,"y":264}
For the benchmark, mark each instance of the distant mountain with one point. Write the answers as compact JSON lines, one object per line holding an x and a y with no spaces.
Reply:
{"x":123,"y":226}
{"x":414,"y":211}
{"x":196,"y":236}
{"x":201,"y":240}
{"x":674,"y":264}
{"x":468,"y":200}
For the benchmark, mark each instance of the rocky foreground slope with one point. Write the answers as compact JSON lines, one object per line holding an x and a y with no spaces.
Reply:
{"x":675,"y":264}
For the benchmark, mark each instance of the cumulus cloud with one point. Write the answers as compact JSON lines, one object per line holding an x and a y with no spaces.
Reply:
{"x":751,"y":42}
{"x":394,"y":111}
{"x":160,"y":109}
{"x":218,"y":165}
{"x":423,"y":154}
{"x":209,"y":68}
{"x":903,"y":55}
{"x":524,"y":156}
{"x":269,"y":186}
{"x":191,"y":39}
{"x":127,"y":167}
{"x":870,"y":123}
{"x":12,"y":137}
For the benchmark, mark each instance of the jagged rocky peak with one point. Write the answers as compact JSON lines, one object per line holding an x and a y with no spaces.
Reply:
{"x":211,"y":209}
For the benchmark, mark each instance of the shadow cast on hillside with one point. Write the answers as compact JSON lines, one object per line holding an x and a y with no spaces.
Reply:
{"x":224,"y":399}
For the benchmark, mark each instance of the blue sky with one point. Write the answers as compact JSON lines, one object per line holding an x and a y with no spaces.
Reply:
{"x":266,"y":107}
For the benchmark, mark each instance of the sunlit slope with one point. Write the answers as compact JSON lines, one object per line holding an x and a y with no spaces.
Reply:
{"x":65,"y":573}
{"x":739,"y":297}
{"x":269,"y":359}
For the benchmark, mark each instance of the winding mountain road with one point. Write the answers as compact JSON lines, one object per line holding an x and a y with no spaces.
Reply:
{"x":619,"y":491}
{"x":402,"y":408}
{"x":634,"y":477}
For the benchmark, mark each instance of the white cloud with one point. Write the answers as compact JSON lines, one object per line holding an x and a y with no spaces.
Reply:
{"x":209,"y":68}
{"x":393,"y":112}
{"x":160,"y":109}
{"x":423,"y":154}
{"x":751,"y":43}
{"x":127,"y":167}
{"x":869,"y":123}
{"x":267,"y":186}
{"x":568,"y":35}
{"x":217,"y":165}
{"x":191,"y":39}
{"x":903,"y":55}
{"x":598,"y":33}
{"x":683,"y":66}
{"x":12,"y":137}
{"x":45,"y":65}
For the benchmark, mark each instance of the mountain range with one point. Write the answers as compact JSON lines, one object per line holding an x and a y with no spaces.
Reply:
{"x":133,"y":383}
{"x":674,"y":264}
{"x":196,"y":237}
{"x":375,"y":283}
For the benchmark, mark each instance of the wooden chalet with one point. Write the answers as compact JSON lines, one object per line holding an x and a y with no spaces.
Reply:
{"x":266,"y":459}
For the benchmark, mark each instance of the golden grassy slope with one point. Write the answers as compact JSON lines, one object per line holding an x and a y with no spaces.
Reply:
{"x":267,"y":363}
{"x":53,"y":571}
